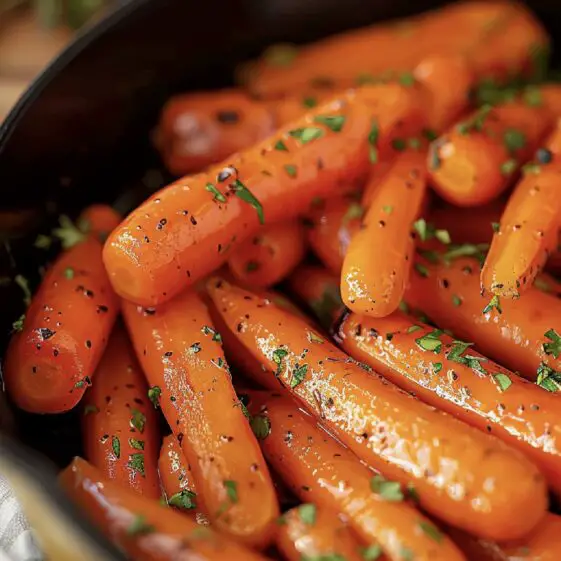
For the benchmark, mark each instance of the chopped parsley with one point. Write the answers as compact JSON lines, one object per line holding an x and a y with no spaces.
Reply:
{"x":231,"y":490}
{"x":261,"y":426}
{"x":327,"y":305}
{"x":399,"y":144}
{"x":372,"y":552}
{"x":373,"y":142}
{"x":355,"y":211}
{"x":291,"y":170}
{"x":309,"y":102}
{"x":243,"y":193}
{"x":548,"y":378}
{"x":406,"y":79}
{"x":413,"y":328}
{"x":23,"y":283}
{"x":18,"y":324}
{"x":314,"y":338}
{"x":388,"y":490}
{"x":514,"y":140}
{"x":136,"y":463}
{"x":436,"y":367}
{"x":138,"y":420}
{"x":509,"y":167}
{"x":306,"y":134}
{"x":335,"y":122}
{"x":495,"y":303}
{"x":430,"y":342}
{"x":476,"y":122}
{"x":496,"y":227}
{"x":90,"y":409}
{"x":154,"y":394}
{"x":136,"y":444}
{"x":298,"y":375}
{"x":503,"y":381}
{"x":282,"y":54}
{"x":554,"y":347}
{"x":139,"y":527}
{"x":431,"y":531}
{"x":456,"y":300}
{"x":116,"y":446}
{"x":218,"y":196}
{"x":307,"y":513}
{"x":280,"y":146}
{"x":184,"y":500}
{"x":422,"y":270}
{"x":69,"y":273}
{"x":278,"y":356}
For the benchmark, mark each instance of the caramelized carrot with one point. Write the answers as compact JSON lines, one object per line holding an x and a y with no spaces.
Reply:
{"x":322,"y":472}
{"x":189,"y":228}
{"x":318,"y":289}
{"x":199,"y":129}
{"x":120,"y":428}
{"x":477,"y":159}
{"x":449,"y":294}
{"x":375,"y":286}
{"x":181,"y":354}
{"x":529,"y":226}
{"x":270,"y":255}
{"x":307,"y":532}
{"x":145,"y":530}
{"x":543,"y":544}
{"x":450,"y":376}
{"x":449,"y":463}
{"x":99,"y":220}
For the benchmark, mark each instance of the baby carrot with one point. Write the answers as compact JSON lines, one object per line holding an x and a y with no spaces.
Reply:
{"x":529,"y":225}
{"x":318,"y":289}
{"x":99,"y":220}
{"x":145,"y":530}
{"x":270,"y":255}
{"x":181,"y":355}
{"x":542,"y":544}
{"x":120,"y":428}
{"x":56,"y":348}
{"x":449,"y":463}
{"x":519,"y":337}
{"x":196,"y":130}
{"x":448,"y":375}
{"x":188,"y":229}
{"x":476,"y":160}
{"x":322,"y":472}
{"x":375,"y":286}
{"x":319,"y":536}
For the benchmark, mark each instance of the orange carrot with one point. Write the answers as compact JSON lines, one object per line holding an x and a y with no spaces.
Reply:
{"x":322,"y":472}
{"x":448,"y":375}
{"x":145,"y":530}
{"x":375,"y":286}
{"x":320,"y":536}
{"x":476,"y":160}
{"x":270,"y":255}
{"x":120,"y":428}
{"x":188,"y":229}
{"x":184,"y":364}
{"x":449,"y":294}
{"x":529,"y":225}
{"x":99,"y":220}
{"x":448,"y":462}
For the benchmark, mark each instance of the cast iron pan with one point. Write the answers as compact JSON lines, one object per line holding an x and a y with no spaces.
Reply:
{"x":81,"y":134}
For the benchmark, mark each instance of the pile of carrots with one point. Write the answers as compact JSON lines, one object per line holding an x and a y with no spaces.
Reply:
{"x":400,"y":384}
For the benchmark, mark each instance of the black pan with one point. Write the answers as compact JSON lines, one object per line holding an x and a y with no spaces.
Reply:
{"x":81,"y":134}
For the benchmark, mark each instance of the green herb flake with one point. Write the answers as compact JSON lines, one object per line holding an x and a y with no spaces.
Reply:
{"x":309,"y":102}
{"x":243,"y":193}
{"x":554,"y":347}
{"x":261,"y":426}
{"x":399,"y":144}
{"x":495,"y":303}
{"x":244,"y":409}
{"x":496,"y":227}
{"x":406,"y":79}
{"x":154,"y":394}
{"x":69,"y":273}
{"x":138,"y":420}
{"x":456,"y":300}
{"x":23,"y":283}
{"x":503,"y":381}
{"x":403,"y":307}
{"x":422,"y":270}
{"x":413,"y":328}
{"x":406,"y":554}
{"x":307,"y":134}
{"x":280,"y":146}
{"x":435,"y":161}
{"x":298,"y":375}
{"x":252,"y":266}
{"x":332,"y":122}
{"x":509,"y":167}
{"x":231,"y":490}
{"x":436,"y":367}
{"x":548,"y":379}
{"x":116,"y":446}
{"x":429,"y":134}
{"x":325,"y":307}
{"x":514,"y":140}
{"x":388,"y":490}
{"x":531,"y":168}
{"x":291,"y":170}
{"x":466,"y":250}
{"x":414,"y":143}
{"x":373,"y":142}
{"x":139,"y":527}
{"x":388,"y":209}
{"x":18,"y":324}
{"x":431,"y":531}
{"x":185,"y":500}
{"x":412,"y":492}
{"x":278,"y":356}
{"x":43,"y":241}
{"x":68,"y":233}
{"x":355,"y":211}
{"x":307,"y":513}
{"x":532,"y":96}
{"x":136,"y":444}
{"x":314,"y":338}
{"x":372,"y":552}
{"x":430,"y":342}
{"x":218,"y":196}
{"x":136,"y":463}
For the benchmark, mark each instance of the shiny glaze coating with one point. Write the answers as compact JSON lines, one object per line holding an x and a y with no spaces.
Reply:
{"x":457,"y":470}
{"x":184,"y":232}
{"x":120,"y":428}
{"x":483,"y":394}
{"x":321,"y":471}
{"x":450,"y":295}
{"x":270,"y":255}
{"x":375,"y":286}
{"x":181,"y":354}
{"x":145,"y":530}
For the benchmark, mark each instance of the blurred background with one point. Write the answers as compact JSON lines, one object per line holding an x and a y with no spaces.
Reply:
{"x":32,"y":32}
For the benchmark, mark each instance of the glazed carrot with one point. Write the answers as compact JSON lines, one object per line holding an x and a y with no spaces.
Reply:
{"x":145,"y":530}
{"x":449,"y":463}
{"x":543,"y":544}
{"x":320,"y":536}
{"x":499,"y":39}
{"x":99,"y":220}
{"x":375,"y":286}
{"x":270,"y":255}
{"x":529,"y":226}
{"x":176,"y":476}
{"x":181,"y":355}
{"x":120,"y":428}
{"x":450,"y":376}
{"x":199,"y":129}
{"x":476,"y":159}
{"x":322,"y":472}
{"x":550,"y":96}
{"x":450,"y":295}
{"x":188,"y":229}
{"x":318,"y":289}
{"x":53,"y":354}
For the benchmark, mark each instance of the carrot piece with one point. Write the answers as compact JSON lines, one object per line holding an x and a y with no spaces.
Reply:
{"x":450,"y":376}
{"x":196,"y":130}
{"x":543,"y":544}
{"x":99,"y":220}
{"x":476,"y":160}
{"x":529,"y":226}
{"x":144,"y":529}
{"x":321,"y":471}
{"x":53,"y":354}
{"x":318,"y":289}
{"x":320,"y":536}
{"x":375,"y":286}
{"x":181,"y":354}
{"x":120,"y":428}
{"x":270,"y":255}
{"x":188,"y":229}
{"x":449,"y":463}
{"x":550,"y":96}
{"x":514,"y":338}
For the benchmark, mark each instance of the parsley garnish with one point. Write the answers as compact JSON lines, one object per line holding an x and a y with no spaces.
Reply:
{"x":138,"y":420}
{"x":136,"y":444}
{"x":291,"y":170}
{"x":436,"y":367}
{"x":335,"y":122}
{"x":509,"y":167}
{"x":456,"y":300}
{"x":218,"y":196}
{"x":184,"y":499}
{"x":280,"y":55}
{"x":309,"y":102}
{"x":242,"y":192}
{"x":116,"y":446}
{"x":373,"y":141}
{"x":430,"y":341}
{"x":298,"y":375}
{"x":503,"y":381}
{"x":553,"y":348}
{"x":307,"y":513}
{"x":514,"y":140}
{"x":428,"y":231}
{"x":136,"y":463}
{"x":68,"y":233}
{"x":313,"y":338}
{"x":399,"y":144}
{"x":280,"y":146}
{"x":388,"y":490}
{"x":413,"y":328}
{"x":278,"y":356}
{"x":307,"y":134}
{"x":325,"y":306}
{"x":354,"y":211}
{"x":154,"y":394}
{"x":261,"y":426}
{"x":496,"y":227}
{"x":18,"y":324}
{"x":476,"y":122}
{"x":495,"y":302}
{"x":406,"y":79}
{"x":23,"y":283}
{"x":231,"y":490}
{"x":431,"y":531}
{"x":90,"y":409}
{"x":139,"y":527}
{"x":422,"y":270}
{"x":372,"y":552}
{"x":69,"y":273}
{"x":548,"y":378}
